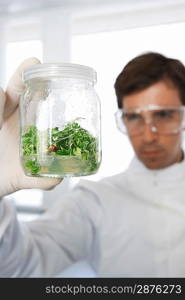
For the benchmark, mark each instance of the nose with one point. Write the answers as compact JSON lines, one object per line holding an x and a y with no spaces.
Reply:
{"x":150,"y":133}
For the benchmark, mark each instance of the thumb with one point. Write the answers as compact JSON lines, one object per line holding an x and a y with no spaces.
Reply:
{"x":16,"y":86}
{"x":2,"y":103}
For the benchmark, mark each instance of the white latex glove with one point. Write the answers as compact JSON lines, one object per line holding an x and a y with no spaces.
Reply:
{"x":12,"y":177}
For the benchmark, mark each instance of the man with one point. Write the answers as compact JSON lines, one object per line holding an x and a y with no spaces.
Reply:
{"x":131,"y":224}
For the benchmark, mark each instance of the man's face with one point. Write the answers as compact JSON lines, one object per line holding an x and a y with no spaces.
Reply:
{"x":155,"y":150}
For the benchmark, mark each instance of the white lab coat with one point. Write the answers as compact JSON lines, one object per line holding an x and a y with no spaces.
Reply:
{"x":128,"y":225}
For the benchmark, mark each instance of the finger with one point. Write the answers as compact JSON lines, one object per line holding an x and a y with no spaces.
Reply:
{"x":2,"y":103}
{"x":16,"y":86}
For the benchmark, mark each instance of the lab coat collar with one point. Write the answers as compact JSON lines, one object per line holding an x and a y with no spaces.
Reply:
{"x":172,"y":173}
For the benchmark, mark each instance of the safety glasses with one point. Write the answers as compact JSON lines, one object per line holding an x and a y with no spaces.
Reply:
{"x":161,"y":119}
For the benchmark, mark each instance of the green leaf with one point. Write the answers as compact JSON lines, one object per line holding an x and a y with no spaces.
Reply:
{"x":72,"y":140}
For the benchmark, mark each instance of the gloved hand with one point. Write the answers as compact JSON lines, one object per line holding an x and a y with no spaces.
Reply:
{"x":12,"y":177}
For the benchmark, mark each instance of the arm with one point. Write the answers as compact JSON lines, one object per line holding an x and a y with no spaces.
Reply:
{"x":45,"y":247}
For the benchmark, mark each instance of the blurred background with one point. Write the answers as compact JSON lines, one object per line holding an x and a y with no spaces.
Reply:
{"x":103,"y":34}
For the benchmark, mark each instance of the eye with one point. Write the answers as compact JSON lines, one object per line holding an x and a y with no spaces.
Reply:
{"x":131,"y":117}
{"x":164,"y":114}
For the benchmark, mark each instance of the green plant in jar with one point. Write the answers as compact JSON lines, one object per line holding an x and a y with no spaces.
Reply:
{"x":71,"y":151}
{"x":60,"y":121}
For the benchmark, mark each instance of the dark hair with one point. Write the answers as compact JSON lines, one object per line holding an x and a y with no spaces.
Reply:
{"x":147,"y":69}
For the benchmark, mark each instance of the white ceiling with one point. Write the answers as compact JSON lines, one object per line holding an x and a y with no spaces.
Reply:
{"x":9,"y":6}
{"x":20,"y":6}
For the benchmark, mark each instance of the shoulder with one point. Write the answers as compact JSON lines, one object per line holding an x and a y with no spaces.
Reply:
{"x":104,"y":189}
{"x":113,"y":181}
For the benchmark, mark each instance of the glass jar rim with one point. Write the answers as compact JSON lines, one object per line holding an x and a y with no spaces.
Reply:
{"x":62,"y":70}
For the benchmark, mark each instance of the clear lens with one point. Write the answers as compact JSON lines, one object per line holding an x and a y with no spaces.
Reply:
{"x":163,"y":119}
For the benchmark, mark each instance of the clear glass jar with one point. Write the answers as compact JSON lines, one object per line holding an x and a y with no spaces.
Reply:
{"x":60,"y":121}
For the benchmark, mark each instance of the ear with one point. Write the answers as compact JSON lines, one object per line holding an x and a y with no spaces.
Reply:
{"x":2,"y":104}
